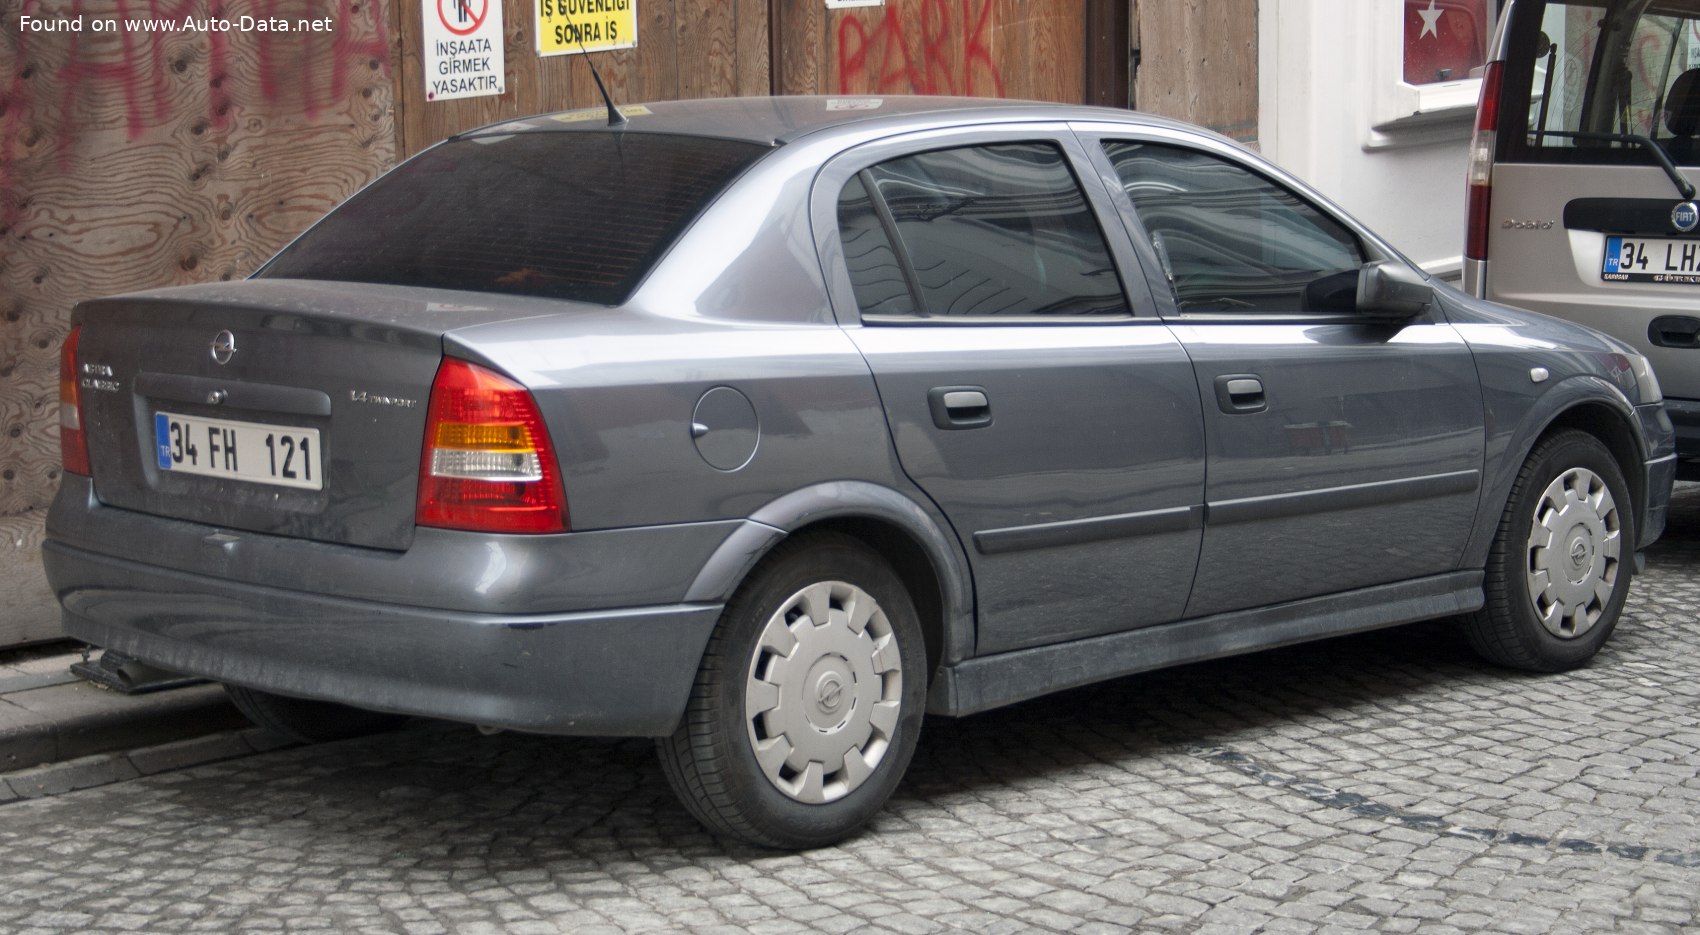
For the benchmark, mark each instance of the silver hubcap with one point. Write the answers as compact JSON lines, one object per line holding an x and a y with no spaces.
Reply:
{"x":824,"y":691}
{"x":1574,"y":544}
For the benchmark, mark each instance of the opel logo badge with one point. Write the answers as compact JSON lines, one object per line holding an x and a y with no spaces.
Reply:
{"x":223,"y":347}
{"x":1685,"y":216}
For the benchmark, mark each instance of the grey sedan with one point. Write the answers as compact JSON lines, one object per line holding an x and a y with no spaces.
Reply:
{"x":763,"y":427}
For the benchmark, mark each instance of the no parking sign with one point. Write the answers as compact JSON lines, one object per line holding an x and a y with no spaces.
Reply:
{"x":464,"y":54}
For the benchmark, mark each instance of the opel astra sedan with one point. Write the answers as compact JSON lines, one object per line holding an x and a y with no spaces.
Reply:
{"x":763,"y":427}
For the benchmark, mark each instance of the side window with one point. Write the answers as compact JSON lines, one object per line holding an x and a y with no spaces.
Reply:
{"x":1231,"y":240}
{"x":875,"y":275}
{"x":984,"y":231}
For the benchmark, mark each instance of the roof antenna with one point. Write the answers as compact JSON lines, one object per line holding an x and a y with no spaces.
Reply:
{"x":615,"y":118}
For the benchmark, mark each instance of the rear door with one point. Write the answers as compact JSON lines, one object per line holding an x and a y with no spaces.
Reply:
{"x":1343,"y":451}
{"x":1029,"y":390}
{"x":1583,"y":222}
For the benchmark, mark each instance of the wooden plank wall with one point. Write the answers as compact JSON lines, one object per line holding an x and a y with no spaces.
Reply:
{"x":1031,"y":49}
{"x":685,"y":49}
{"x":1198,"y":62}
{"x":133,"y":160}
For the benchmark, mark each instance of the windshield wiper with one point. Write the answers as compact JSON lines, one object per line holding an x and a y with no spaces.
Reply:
{"x":1683,"y":186}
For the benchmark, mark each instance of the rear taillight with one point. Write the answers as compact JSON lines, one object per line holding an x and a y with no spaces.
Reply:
{"x":487,"y":463}
{"x":1482,"y":146}
{"x":73,"y":444}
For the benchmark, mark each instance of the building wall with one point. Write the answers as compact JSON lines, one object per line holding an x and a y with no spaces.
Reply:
{"x":134,"y":160}
{"x":1335,"y":112}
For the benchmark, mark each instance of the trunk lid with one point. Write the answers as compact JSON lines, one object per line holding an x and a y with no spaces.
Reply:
{"x":286,"y":407}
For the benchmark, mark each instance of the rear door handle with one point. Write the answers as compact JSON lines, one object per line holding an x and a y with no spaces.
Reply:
{"x":1239,"y":393}
{"x":960,"y":407}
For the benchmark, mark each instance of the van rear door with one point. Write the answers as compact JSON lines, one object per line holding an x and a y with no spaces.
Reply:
{"x":1592,"y":217}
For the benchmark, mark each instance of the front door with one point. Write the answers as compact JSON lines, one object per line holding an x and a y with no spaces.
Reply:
{"x":1343,"y":451}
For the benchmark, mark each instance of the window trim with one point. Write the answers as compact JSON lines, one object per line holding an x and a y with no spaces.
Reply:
{"x":823,"y":210}
{"x":1093,"y":137}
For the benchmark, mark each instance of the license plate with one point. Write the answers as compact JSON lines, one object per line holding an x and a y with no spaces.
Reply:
{"x":1648,"y":259}
{"x":250,"y":451}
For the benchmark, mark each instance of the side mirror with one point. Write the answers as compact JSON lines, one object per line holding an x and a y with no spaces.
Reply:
{"x":1392,"y":289}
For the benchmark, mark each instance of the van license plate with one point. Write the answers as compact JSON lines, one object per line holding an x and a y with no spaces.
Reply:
{"x":265,"y":454}
{"x":1648,"y":259}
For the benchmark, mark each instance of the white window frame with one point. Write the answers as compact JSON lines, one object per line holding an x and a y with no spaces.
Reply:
{"x":1401,"y":113}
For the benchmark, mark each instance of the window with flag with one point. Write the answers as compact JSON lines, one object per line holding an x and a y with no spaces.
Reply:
{"x":1445,"y":40}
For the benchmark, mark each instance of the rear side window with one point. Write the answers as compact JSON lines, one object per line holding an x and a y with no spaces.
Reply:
{"x":1230,"y":240}
{"x":1582,"y":71}
{"x":578,"y":215}
{"x":976,"y":232}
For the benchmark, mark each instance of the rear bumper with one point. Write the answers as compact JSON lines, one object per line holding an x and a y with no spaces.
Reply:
{"x":596,"y":633}
{"x":611,"y":672}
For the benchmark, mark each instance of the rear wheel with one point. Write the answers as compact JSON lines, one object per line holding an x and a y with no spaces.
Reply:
{"x":1561,"y":562}
{"x":808,"y":703}
{"x":308,"y":721}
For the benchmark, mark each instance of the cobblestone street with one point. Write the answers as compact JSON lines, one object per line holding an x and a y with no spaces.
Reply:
{"x":1383,"y":783}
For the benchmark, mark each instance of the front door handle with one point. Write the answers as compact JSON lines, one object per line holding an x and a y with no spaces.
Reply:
{"x":1239,"y":393}
{"x":960,"y":407}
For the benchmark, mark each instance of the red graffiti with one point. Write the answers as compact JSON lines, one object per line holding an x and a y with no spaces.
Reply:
{"x":130,"y":64}
{"x":890,"y":60}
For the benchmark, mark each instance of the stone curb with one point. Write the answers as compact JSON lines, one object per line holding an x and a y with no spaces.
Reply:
{"x":107,"y":768}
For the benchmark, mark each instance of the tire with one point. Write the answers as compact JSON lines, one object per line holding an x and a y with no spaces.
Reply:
{"x":308,"y":721}
{"x":1562,"y":557}
{"x":796,"y":734}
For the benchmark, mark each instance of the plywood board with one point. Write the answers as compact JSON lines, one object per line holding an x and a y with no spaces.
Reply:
{"x":986,"y":48}
{"x":131,"y":160}
{"x":685,"y":49}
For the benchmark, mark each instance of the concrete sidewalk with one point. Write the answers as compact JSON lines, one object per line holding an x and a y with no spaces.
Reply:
{"x":60,"y":732}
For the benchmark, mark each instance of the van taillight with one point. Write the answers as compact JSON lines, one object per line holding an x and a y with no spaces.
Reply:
{"x":1482,"y":146}
{"x":487,"y":464}
{"x":73,"y":444}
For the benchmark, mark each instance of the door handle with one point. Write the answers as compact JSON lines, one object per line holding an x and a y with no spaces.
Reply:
{"x":1239,"y":393}
{"x":960,"y":407}
{"x":1674,"y":331}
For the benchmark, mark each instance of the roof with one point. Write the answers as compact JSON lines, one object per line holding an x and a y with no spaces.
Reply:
{"x":773,"y":120}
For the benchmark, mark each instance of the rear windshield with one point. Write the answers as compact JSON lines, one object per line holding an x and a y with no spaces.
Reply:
{"x":1586,"y":73}
{"x":570,"y":215}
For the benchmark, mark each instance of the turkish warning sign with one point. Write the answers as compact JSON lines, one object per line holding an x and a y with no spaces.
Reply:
{"x":464,"y":53}
{"x":568,"y":26}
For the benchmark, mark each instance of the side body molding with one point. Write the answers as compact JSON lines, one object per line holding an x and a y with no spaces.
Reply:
{"x":848,"y":499}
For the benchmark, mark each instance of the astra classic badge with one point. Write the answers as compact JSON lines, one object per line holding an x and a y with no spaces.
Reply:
{"x":223,"y":347}
{"x":1685,"y":216}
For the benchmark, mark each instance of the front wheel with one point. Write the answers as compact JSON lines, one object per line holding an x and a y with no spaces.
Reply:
{"x":808,"y":702}
{"x":1559,"y":570}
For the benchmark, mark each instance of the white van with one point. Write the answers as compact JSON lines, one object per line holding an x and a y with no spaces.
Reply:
{"x":1580,"y":199}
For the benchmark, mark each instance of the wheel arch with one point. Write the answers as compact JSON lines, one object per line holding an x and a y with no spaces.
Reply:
{"x":919,"y":546}
{"x":1588,"y":404}
{"x":1613,"y":428}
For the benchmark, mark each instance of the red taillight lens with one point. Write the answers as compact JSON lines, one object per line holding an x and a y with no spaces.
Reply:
{"x":73,"y":444}
{"x":1482,"y":145}
{"x":487,"y":463}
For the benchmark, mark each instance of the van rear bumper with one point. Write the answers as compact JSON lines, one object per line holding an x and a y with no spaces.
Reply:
{"x":1685,"y":418}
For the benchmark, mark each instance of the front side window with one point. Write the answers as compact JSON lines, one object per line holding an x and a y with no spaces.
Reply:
{"x":1231,"y":240}
{"x":1587,"y":71}
{"x":976,"y":232}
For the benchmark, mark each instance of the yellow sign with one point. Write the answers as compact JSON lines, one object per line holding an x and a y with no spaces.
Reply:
{"x":568,"y":26}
